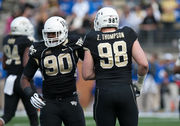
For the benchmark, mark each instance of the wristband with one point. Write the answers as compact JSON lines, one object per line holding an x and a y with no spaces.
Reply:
{"x":141,"y":79}
{"x":28,"y":91}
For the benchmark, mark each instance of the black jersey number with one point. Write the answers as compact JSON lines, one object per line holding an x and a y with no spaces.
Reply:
{"x":62,"y":63}
{"x":12,"y":54}
{"x":113,"y":54}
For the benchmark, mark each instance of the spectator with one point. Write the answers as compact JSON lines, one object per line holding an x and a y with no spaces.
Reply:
{"x":94,"y":5}
{"x":13,"y":15}
{"x":0,"y":4}
{"x":156,"y":9}
{"x":171,"y":97}
{"x":148,"y":26}
{"x":41,"y":16}
{"x":127,"y":18}
{"x":65,"y":7}
{"x":168,"y":19}
{"x":27,"y":10}
{"x":150,"y":98}
{"x":79,"y":10}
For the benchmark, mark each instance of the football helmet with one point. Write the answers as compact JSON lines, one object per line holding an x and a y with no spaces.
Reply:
{"x":21,"y":26}
{"x":31,"y":30}
{"x":106,"y":17}
{"x":58,"y":26}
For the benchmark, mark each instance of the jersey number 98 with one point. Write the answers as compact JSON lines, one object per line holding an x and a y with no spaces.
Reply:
{"x":113,"y":54}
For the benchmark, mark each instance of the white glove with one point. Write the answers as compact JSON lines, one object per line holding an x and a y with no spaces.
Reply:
{"x":139,"y":84}
{"x":36,"y":101}
{"x":137,"y":91}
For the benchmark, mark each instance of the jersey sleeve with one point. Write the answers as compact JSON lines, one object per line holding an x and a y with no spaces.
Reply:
{"x":29,"y":42}
{"x":5,"y":40}
{"x":35,"y":49}
{"x":86,"y":42}
{"x":30,"y":68}
{"x":81,"y":53}
{"x":75,"y":43}
{"x":132,"y":35}
{"x":25,"y":42}
{"x":32,"y":51}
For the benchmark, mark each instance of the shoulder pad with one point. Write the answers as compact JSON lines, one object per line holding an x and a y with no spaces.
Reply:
{"x":91,"y":34}
{"x":31,"y":38}
{"x":126,"y":28}
{"x":36,"y":48}
{"x":74,"y":40}
{"x":79,"y":42}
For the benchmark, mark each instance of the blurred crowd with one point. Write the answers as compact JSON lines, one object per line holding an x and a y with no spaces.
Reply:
{"x":161,"y":90}
{"x":153,"y":20}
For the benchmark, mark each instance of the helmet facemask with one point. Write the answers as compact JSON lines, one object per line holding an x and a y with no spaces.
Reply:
{"x":54,"y":32}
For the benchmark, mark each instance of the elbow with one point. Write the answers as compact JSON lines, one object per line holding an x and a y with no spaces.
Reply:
{"x":4,"y":66}
{"x":24,"y":81}
{"x":88,"y":76}
{"x":85,"y":77}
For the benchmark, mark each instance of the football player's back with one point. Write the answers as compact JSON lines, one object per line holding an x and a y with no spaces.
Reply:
{"x":112,"y":53}
{"x":108,"y":59}
{"x":15,"y":56}
{"x":14,"y":47}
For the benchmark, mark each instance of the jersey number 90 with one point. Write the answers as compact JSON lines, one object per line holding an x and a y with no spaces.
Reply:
{"x":62,"y":63}
{"x":113,"y":55}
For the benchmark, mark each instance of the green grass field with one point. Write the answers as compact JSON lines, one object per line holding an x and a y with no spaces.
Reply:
{"x":23,"y":121}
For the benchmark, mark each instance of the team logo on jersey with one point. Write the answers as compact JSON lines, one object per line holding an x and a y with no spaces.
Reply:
{"x":32,"y":50}
{"x":79,"y":42}
{"x":74,"y":103}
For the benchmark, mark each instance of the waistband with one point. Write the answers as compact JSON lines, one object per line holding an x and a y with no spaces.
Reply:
{"x":112,"y":82}
{"x":63,"y":97}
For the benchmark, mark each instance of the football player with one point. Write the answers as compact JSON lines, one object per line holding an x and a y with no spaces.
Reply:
{"x":108,"y":59}
{"x":56,"y":56}
{"x":15,"y":56}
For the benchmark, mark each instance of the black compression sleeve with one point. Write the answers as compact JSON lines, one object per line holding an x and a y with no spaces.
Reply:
{"x":28,"y":91}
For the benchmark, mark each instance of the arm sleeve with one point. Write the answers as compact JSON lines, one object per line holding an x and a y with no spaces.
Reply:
{"x":85,"y":43}
{"x":132,"y":36}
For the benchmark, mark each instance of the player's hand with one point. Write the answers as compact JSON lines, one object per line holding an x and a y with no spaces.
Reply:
{"x":37,"y":101}
{"x":137,"y":89}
